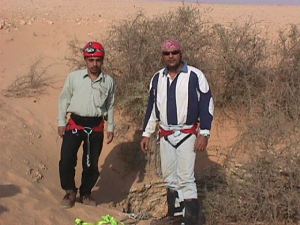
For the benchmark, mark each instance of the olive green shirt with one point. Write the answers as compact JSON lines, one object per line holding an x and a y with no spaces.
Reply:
{"x":84,"y":97}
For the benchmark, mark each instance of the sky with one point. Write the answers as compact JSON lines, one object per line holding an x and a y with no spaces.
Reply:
{"x":268,"y":2}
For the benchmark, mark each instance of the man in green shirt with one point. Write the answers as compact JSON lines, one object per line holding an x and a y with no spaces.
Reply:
{"x":87,"y":99}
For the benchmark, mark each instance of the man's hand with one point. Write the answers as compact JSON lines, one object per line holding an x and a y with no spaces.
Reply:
{"x":201,"y":143}
{"x":61,"y":131}
{"x":145,"y":144}
{"x":109,"y":137}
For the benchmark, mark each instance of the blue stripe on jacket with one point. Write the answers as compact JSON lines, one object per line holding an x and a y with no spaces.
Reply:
{"x":171,"y":102}
{"x":152,"y":100}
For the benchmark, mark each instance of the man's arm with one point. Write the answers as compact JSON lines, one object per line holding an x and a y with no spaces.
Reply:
{"x":150,"y":116}
{"x":63,"y":104}
{"x":110,"y":113}
{"x":206,"y":108}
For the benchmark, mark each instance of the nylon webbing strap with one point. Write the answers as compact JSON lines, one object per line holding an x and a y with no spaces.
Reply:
{"x":88,"y":131}
{"x":180,"y":142}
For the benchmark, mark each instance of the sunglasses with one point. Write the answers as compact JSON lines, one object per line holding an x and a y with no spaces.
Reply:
{"x":92,"y":50}
{"x":176,"y":52}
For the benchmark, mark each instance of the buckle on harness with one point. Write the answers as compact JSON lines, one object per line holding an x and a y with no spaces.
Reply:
{"x":177,"y":133}
{"x":88,"y":130}
{"x":74,"y":131}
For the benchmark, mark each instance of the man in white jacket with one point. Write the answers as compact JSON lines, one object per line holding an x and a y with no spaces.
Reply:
{"x":180,"y":101}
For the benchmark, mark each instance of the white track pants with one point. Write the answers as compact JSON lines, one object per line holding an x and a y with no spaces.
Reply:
{"x":178,"y":167}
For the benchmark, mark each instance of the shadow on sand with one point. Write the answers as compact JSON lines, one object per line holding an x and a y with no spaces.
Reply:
{"x":124,"y":165}
{"x":7,"y":190}
{"x":209,"y":176}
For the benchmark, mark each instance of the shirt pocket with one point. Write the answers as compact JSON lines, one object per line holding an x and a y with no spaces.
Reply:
{"x":100,"y":95}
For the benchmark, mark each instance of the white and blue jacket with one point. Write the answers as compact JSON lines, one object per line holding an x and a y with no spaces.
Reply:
{"x":179,"y":103}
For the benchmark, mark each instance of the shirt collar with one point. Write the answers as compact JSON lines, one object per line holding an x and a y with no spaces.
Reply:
{"x":85,"y":74}
{"x":184,"y":69}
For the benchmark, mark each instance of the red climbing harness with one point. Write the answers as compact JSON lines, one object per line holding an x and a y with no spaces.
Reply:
{"x":166,"y":133}
{"x":75,"y":127}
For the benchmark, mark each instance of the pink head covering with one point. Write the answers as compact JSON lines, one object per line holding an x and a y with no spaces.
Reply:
{"x":171,"y":45}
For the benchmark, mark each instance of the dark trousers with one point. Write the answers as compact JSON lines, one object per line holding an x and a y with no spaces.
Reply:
{"x":68,"y":160}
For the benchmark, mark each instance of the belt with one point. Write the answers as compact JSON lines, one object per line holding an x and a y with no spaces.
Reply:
{"x":166,"y":133}
{"x":86,"y":121}
{"x":72,"y":125}
{"x":190,"y":131}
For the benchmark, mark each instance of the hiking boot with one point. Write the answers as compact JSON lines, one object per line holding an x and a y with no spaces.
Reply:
{"x":87,"y":200}
{"x":69,"y":199}
{"x":168,"y":221}
{"x":191,"y":216}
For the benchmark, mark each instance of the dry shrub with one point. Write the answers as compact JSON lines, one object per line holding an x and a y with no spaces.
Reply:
{"x":31,"y":84}
{"x":233,"y":58}
{"x":75,"y":60}
{"x":239,"y":61}
{"x":245,"y":81}
{"x":265,"y":190}
{"x":277,"y":107}
{"x":288,"y":74}
{"x":134,"y":48}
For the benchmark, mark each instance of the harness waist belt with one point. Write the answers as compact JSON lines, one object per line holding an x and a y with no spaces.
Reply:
{"x":74,"y":126}
{"x":166,"y":133}
{"x":86,"y":121}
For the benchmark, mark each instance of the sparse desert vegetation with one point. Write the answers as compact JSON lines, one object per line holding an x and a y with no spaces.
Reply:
{"x":254,"y":177}
{"x":30,"y":84}
{"x":251,"y":79}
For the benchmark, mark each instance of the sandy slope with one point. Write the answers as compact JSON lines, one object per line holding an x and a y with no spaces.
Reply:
{"x":41,"y":30}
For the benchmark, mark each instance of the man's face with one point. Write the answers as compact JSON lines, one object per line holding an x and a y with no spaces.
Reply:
{"x":171,"y":58}
{"x":94,"y":64}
